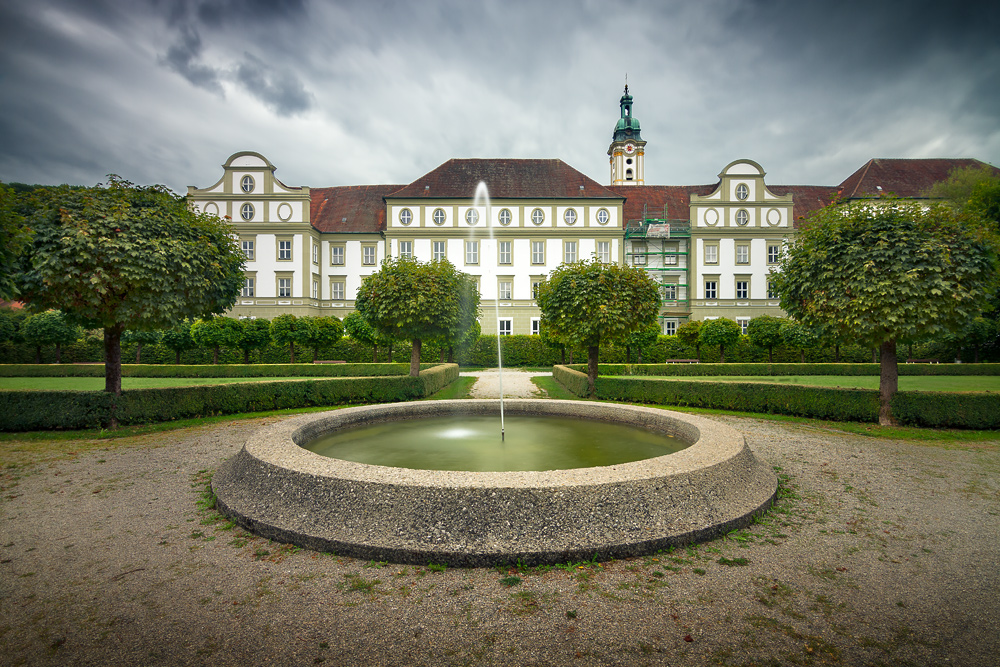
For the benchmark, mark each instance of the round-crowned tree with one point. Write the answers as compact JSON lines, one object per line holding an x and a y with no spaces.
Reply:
{"x":765,"y":331}
{"x":722,"y":332}
{"x":689,"y":334}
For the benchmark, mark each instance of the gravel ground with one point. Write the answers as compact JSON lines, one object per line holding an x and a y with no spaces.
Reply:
{"x":878,"y":552}
{"x":516,"y":384}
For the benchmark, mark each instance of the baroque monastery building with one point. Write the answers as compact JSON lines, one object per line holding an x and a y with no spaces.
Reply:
{"x":710,"y":247}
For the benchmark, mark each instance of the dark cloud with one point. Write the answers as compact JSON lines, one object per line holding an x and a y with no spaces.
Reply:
{"x":280,"y":91}
{"x":183,"y":57}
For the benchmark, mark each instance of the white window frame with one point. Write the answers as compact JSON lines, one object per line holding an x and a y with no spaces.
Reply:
{"x":472,"y":251}
{"x":247,"y":179}
{"x":406,"y":249}
{"x":773,"y":253}
{"x":337,"y":252}
{"x":505,"y":253}
{"x":505,"y":326}
{"x":538,"y":252}
{"x":405,"y":217}
{"x":536,"y":326}
{"x":315,"y":253}
{"x":248,"y":286}
{"x":603,"y":251}
{"x":743,"y":322}
{"x":639,"y":254}
{"x":247,"y":211}
{"x":537,"y":217}
{"x":669,"y":291}
{"x":742,"y":253}
{"x":505,"y":289}
{"x":284,"y":251}
{"x":505,"y":217}
{"x":745,"y":289}
{"x":369,"y":255}
{"x":284,"y":288}
{"x":711,"y":253}
{"x":439,"y":217}
{"x":338,"y":290}
{"x":248,"y":249}
{"x":439,"y":250}
{"x":570,"y":251}
{"x":669,"y":328}
{"x":711,"y":289}
{"x":315,"y":292}
{"x":570,"y":216}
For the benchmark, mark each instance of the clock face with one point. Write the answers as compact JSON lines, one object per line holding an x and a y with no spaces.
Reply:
{"x":630,"y":148}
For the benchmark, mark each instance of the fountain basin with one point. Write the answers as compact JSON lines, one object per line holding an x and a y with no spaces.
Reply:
{"x":278,"y":490}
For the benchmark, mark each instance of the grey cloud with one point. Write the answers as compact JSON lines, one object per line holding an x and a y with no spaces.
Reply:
{"x":183,"y":56}
{"x":281,"y":91}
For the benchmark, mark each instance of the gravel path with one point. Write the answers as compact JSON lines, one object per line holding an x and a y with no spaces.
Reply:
{"x":516,"y":383}
{"x":878,"y":552}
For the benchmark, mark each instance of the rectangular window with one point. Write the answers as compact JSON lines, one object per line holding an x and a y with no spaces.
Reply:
{"x":670,"y":259}
{"x":604,"y":251}
{"x":538,"y":252}
{"x":569,"y":256}
{"x":336,"y":255}
{"x":742,"y":289}
{"x":505,"y":254}
{"x":315,"y":253}
{"x":472,"y":252}
{"x":670,"y":328}
{"x":771,"y":292}
{"x":773,"y":253}
{"x":506,"y":326}
{"x":368,"y":254}
{"x":505,"y":289}
{"x":742,"y":254}
{"x":711,"y":254}
{"x":669,"y":292}
{"x":248,"y":287}
{"x":438,"y":250}
{"x":248,"y":250}
{"x":284,"y":250}
{"x":337,"y":290}
{"x":638,"y":254}
{"x":284,"y":288}
{"x":536,"y":326}
{"x":315,"y":289}
{"x":710,"y":289}
{"x":743,"y":322}
{"x":535,"y":282}
{"x":406,"y":249}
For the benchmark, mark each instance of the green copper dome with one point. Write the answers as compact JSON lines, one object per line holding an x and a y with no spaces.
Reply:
{"x":628,"y":126}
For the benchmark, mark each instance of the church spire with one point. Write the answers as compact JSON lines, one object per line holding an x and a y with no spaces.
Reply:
{"x":627,"y":147}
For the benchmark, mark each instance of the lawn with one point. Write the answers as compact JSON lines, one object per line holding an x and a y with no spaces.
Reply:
{"x":906,"y":382}
{"x":97,"y":383}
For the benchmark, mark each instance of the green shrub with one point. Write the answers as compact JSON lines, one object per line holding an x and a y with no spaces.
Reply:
{"x":789,"y":369}
{"x":572,"y":378}
{"x":947,"y":409}
{"x":208,"y":371}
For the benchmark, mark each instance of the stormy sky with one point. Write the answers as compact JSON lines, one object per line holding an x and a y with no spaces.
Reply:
{"x":343,"y":93}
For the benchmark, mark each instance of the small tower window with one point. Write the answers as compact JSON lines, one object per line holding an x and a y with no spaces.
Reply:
{"x":742,"y":191}
{"x":247,"y":183}
{"x":628,"y":174}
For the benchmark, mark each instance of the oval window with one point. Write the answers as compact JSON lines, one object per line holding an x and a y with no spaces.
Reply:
{"x":570,"y":216}
{"x":538,"y":216}
{"x":505,"y":217}
{"x":742,"y":217}
{"x":438,"y":216}
{"x":603,"y":216}
{"x":472,"y":216}
{"x":405,"y":217}
{"x":247,"y":183}
{"x":742,"y":191}
{"x":246,"y":211}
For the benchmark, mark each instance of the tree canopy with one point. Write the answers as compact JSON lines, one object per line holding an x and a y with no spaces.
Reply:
{"x":587,"y":302}
{"x":126,"y":256}
{"x":14,"y":236}
{"x":49,"y":328}
{"x":413,"y":300}
{"x":765,"y":331}
{"x":888,"y":271}
{"x":721,"y":331}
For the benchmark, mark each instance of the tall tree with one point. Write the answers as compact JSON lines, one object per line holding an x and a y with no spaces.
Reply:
{"x":721,"y":331}
{"x":885,"y":272}
{"x":689,"y":334}
{"x":178,"y":338}
{"x":140,"y":338}
{"x":126,"y":255}
{"x":358,"y":328}
{"x":14,"y":237}
{"x":798,"y":337}
{"x":587,"y":302}
{"x":255,"y":334}
{"x":413,"y":300}
{"x":287,"y":329}
{"x":216,"y":332}
{"x":765,"y":331}
{"x":640,"y":340}
{"x":323,"y":332}
{"x":49,"y":328}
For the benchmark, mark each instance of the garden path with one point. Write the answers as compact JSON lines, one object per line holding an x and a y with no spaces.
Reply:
{"x":516,"y":383}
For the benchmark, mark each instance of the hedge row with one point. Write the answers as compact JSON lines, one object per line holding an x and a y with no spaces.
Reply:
{"x":210,"y":371}
{"x":788,"y":369}
{"x":916,"y":408}
{"x":41,"y":410}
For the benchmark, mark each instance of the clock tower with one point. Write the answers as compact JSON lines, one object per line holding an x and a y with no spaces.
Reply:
{"x":627,"y":147}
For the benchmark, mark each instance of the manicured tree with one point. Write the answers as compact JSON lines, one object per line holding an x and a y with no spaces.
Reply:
{"x":10,"y":325}
{"x":722,"y":332}
{"x":640,"y":340}
{"x":288,"y":330}
{"x":178,"y":338}
{"x":552,"y":342}
{"x":977,"y":334}
{"x":466,"y":329}
{"x":798,"y":337}
{"x":409,"y":299}
{"x":765,"y":331}
{"x":49,"y":328}
{"x":141,"y":338}
{"x":215,"y":333}
{"x":255,"y":334}
{"x":126,"y":255}
{"x":14,"y":237}
{"x":322,"y":333}
{"x":586,"y":302}
{"x":688,"y":333}
{"x":358,"y":328}
{"x":887,"y":271}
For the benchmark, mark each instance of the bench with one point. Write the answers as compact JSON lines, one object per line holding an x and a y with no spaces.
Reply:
{"x":922,"y":361}
{"x":680,"y":361}
{"x":317,"y":361}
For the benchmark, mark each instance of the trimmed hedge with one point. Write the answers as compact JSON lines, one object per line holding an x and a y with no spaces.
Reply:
{"x":788,"y":369}
{"x":972,"y":410}
{"x":210,"y":371}
{"x":40,"y":410}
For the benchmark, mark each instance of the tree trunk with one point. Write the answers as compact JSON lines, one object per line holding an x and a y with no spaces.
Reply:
{"x":415,"y":358}
{"x":640,"y":356}
{"x":451,"y":354}
{"x":628,"y":354}
{"x":291,"y":352}
{"x":592,"y":368}
{"x":722,"y":354}
{"x":246,"y":356}
{"x":390,"y":353}
{"x":562,"y":354}
{"x":836,"y":353}
{"x":315,"y":354}
{"x":375,"y":355}
{"x":59,"y":353}
{"x":215,"y":354}
{"x":770,"y":355}
{"x":697,"y":351}
{"x":802,"y":356}
{"x":441,"y":356}
{"x":571,"y":356}
{"x":138,"y":353}
{"x":38,"y":354}
{"x":177,"y":357}
{"x":888,"y":382}
{"x":874,"y":355}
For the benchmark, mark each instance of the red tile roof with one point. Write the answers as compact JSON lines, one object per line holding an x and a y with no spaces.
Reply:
{"x":902,"y":177}
{"x":506,"y":179}
{"x":351,"y":208}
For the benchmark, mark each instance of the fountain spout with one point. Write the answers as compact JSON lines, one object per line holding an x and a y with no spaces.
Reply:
{"x":482,"y":199}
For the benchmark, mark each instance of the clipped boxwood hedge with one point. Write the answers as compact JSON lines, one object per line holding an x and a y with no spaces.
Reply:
{"x":41,"y":410}
{"x":210,"y":371}
{"x":975,"y":410}
{"x":788,"y":369}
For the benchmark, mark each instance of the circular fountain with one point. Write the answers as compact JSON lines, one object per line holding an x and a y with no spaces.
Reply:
{"x":278,"y":489}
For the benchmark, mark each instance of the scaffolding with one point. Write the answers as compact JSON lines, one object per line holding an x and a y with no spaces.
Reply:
{"x":662,"y":248}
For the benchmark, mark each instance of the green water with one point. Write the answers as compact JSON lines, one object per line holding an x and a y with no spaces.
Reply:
{"x":473,"y":443}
